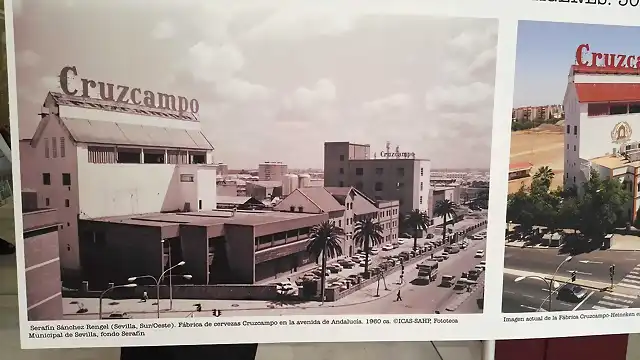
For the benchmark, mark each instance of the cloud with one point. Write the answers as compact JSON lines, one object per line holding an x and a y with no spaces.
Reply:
{"x":455,"y":99}
{"x":27,"y":58}
{"x":389,"y":103}
{"x":323,"y":92}
{"x":214,"y":63}
{"x":163,"y":30}
{"x":299,"y":22}
{"x":242,"y":90}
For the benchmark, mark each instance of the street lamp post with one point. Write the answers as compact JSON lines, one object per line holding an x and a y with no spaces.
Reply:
{"x":157,"y":281}
{"x":550,"y":283}
{"x":106,"y":291}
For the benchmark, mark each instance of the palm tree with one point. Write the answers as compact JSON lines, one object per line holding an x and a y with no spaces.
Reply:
{"x":417,"y":220}
{"x":326,"y":240}
{"x":366,"y":234}
{"x":544,"y":176}
{"x":445,"y":209}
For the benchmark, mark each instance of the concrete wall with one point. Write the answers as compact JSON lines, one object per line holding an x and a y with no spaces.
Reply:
{"x":195,"y":252}
{"x":241,"y":252}
{"x":121,"y":189}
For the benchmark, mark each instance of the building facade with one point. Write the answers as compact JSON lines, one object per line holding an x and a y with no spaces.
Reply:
{"x":602,"y":113}
{"x":519,"y":170}
{"x":92,"y":158}
{"x":42,"y":260}
{"x":387,"y":178}
{"x":272,"y":171}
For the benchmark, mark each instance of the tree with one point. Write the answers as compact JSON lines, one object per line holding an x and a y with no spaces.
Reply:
{"x":521,"y":210}
{"x":543,"y":178}
{"x":481,"y":201}
{"x":417,"y":221}
{"x":445,"y":209}
{"x":326,"y":240}
{"x":366,"y":234}
{"x":569,"y":214}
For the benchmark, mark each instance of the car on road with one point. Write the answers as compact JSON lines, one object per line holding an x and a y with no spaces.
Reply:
{"x":477,"y":237}
{"x":461,"y":284}
{"x":444,"y":255}
{"x":483,"y":264}
{"x":447,"y":280}
{"x":346,"y":263}
{"x":402,"y":240}
{"x":374,"y":251}
{"x":571,"y":293}
{"x":387,"y":247}
{"x":395,"y":245}
{"x":473,"y":274}
{"x":452,"y":249}
{"x":356,"y":259}
{"x":479,"y":254}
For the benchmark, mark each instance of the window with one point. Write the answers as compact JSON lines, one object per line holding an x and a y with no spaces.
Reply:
{"x":66,"y":179}
{"x":339,"y":223}
{"x":153,"y":156}
{"x":379,"y":171}
{"x":66,"y":202}
{"x":199,"y":204}
{"x":46,"y":147}
{"x":54,"y":147}
{"x":618,"y":109}
{"x":575,"y":130}
{"x":568,"y":129}
{"x":421,"y":186}
{"x":574,"y":148}
{"x":568,"y":177}
{"x":359,"y":171}
{"x":186,"y":178}
{"x":341,"y":157}
{"x":634,"y":108}
{"x":597,"y":109}
{"x":46,"y":178}
{"x":420,"y":199}
{"x":128,"y":156}
{"x":574,"y":179}
{"x":567,"y":146}
{"x":46,"y":202}
{"x":198,"y":158}
{"x":341,"y":183}
{"x":421,"y":171}
{"x":63,"y":151}
{"x":378,"y":186}
{"x":341,"y":170}
{"x":400,"y":171}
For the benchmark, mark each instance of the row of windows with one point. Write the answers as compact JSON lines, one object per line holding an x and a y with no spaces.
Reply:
{"x":379,"y":171}
{"x":574,"y":148}
{"x":47,"y":203}
{"x":575,"y":129}
{"x":613,"y":109}
{"x":111,"y":155}
{"x":51,"y":149}
{"x":66,"y":179}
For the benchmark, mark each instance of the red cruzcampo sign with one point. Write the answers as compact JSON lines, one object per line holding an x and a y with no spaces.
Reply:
{"x":584,"y":57}
{"x":126,"y":95}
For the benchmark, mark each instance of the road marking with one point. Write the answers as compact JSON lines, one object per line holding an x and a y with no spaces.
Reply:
{"x":611,"y":304}
{"x":529,"y":296}
{"x":634,"y":272}
{"x":579,"y":272}
{"x":629,"y":286}
{"x":632,"y":277}
{"x":624,"y":295}
{"x":583,"y":300}
{"x":625,"y":280}
{"x":619,"y":300}
{"x":545,"y":289}
{"x":529,"y":307}
{"x":511,"y":292}
{"x":600,"y":307}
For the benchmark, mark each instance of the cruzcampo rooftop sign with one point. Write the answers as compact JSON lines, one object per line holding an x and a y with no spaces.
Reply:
{"x":584,"y":57}
{"x":124,"y":94}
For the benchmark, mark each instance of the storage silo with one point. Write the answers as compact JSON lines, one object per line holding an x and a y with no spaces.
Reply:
{"x":304,"y":180}
{"x":289,"y":184}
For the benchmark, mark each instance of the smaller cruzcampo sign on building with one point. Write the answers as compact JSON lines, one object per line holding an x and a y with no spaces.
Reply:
{"x":397,"y":155}
{"x":123,"y":94}
{"x":585,"y":57}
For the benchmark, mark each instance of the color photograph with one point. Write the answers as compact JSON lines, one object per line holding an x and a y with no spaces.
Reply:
{"x":229,"y":161}
{"x":573,"y":227}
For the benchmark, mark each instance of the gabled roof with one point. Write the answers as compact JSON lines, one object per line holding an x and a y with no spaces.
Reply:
{"x":107,"y":105}
{"x":362,"y":204}
{"x":322,"y":198}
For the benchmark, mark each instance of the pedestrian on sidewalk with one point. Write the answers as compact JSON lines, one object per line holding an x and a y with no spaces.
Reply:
{"x":145,"y":296}
{"x":398,"y":296}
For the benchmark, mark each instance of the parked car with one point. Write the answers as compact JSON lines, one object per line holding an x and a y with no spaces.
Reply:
{"x":395,"y":245}
{"x":429,"y":236}
{"x":444,"y":255}
{"x":479,"y":254}
{"x":483,"y":264}
{"x":374,"y":251}
{"x":117,"y":315}
{"x":387,"y":247}
{"x":447,"y":280}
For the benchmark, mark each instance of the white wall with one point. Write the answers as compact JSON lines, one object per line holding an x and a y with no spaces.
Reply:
{"x":426,"y":182}
{"x":572,"y":118}
{"x":206,"y":186}
{"x":595,"y":134}
{"x":125,"y":189}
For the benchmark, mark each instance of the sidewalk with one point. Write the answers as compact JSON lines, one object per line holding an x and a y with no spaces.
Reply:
{"x":521,"y":244}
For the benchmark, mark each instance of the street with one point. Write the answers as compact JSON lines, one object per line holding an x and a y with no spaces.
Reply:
{"x":422,"y":299}
{"x":592,"y":268}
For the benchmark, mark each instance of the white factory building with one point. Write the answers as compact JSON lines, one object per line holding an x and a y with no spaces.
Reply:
{"x":92,"y":158}
{"x":602,"y":127}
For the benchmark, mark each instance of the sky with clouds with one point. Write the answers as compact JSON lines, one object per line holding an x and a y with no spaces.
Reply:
{"x":277,"y":80}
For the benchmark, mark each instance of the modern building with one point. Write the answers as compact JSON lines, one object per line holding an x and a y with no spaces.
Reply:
{"x":42,"y":260}
{"x":389,"y":217}
{"x":519,"y":170}
{"x":218,"y":246}
{"x":441,"y":193}
{"x":602,"y":107}
{"x":272,"y":171}
{"x":92,"y":158}
{"x":391,"y":176}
